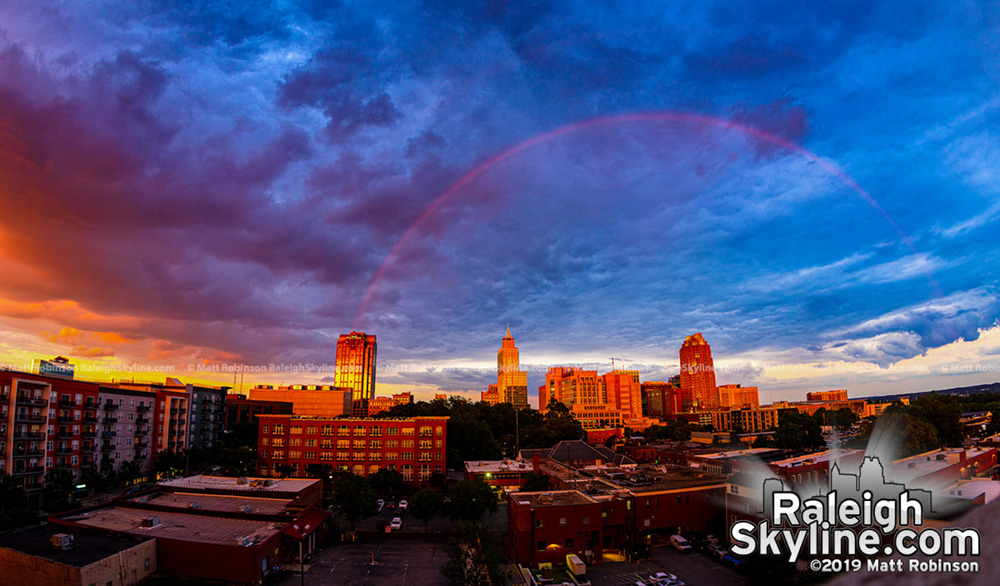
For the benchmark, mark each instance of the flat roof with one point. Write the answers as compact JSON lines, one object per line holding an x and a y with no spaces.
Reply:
{"x":214,"y":502}
{"x":972,"y":488}
{"x":87,"y":549}
{"x":806,"y":459}
{"x":184,"y":527}
{"x":914,"y":467}
{"x":498,"y":466}
{"x":737,"y":453}
{"x":646,"y":479}
{"x":553,"y":498}
{"x":232,"y":483}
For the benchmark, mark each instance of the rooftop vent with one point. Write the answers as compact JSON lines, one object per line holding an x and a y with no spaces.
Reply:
{"x":150,"y":521}
{"x":244,"y":541}
{"x":241,"y":480}
{"x":62,"y":541}
{"x":194,"y":505}
{"x":911,"y":465}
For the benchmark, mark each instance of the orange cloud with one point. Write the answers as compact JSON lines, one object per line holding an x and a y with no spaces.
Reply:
{"x":68,"y":311}
{"x":65,"y":336}
{"x":112,"y":338}
{"x":95,"y":352}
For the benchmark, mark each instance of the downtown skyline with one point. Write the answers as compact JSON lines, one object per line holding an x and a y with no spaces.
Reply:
{"x":814,"y":188}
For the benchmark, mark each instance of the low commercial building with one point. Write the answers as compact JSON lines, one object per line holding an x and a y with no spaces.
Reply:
{"x":233,"y":530}
{"x":414,"y":447}
{"x":51,"y":556}
{"x":503,"y":475}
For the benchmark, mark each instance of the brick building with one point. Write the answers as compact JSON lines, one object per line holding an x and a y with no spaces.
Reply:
{"x":415,"y":447}
{"x":308,"y":400}
{"x":239,"y":409}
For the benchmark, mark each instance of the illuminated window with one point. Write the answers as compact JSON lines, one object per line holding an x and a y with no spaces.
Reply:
{"x":407,"y":443}
{"x":326,"y":456}
{"x":407,"y":431}
{"x":342,"y":456}
{"x":327,"y":430}
{"x":296,"y":429}
{"x":312,"y":430}
{"x":438,"y":444}
{"x":376,"y":445}
{"x":438,"y":430}
{"x":359,"y":430}
{"x":311,"y":443}
{"x":265,"y":441}
{"x":425,"y":457}
{"x":391,"y":456}
{"x":392,"y":443}
{"x":425,"y":444}
{"x":278,"y":442}
{"x":310,"y":455}
{"x":375,"y":457}
{"x":296,"y":441}
{"x":392,"y":431}
{"x":278,"y":455}
{"x":343,"y":430}
{"x":265,"y":429}
{"x":425,"y":431}
{"x":279,"y":429}
{"x":360,"y":456}
{"x":294,"y":455}
{"x":407,"y":455}
{"x":376,"y":431}
{"x":326,"y":444}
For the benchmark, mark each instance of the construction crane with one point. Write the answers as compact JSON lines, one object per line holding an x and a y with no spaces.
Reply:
{"x":618,"y":359}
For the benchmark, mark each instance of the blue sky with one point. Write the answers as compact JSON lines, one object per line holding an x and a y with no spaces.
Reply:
{"x":212,"y":183}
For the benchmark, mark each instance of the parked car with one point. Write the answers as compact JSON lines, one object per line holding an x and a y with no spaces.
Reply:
{"x":680,"y":544}
{"x":403,"y":505}
{"x":665,"y":579}
{"x":390,"y":505}
{"x":397,"y":524}
{"x":715,"y":551}
{"x":712,"y":539}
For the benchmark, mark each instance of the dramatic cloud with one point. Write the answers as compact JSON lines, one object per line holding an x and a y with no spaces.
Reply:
{"x":205,"y":184}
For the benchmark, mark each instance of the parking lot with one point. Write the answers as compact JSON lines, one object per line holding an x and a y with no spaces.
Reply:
{"x":395,"y":559}
{"x":693,"y":569}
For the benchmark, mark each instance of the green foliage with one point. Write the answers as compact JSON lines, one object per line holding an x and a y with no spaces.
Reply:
{"x":353,"y":498}
{"x":535,"y":482}
{"x":943,"y":412}
{"x":913,"y":435}
{"x":238,"y":460}
{"x":58,"y":493}
{"x":243,"y":434}
{"x":424,"y":504}
{"x":386,"y":482}
{"x":14,"y":510}
{"x":471,"y":500}
{"x":841,"y":419}
{"x":477,"y":559}
{"x":797,"y":430}
{"x":129,"y":471}
{"x":169,"y":464}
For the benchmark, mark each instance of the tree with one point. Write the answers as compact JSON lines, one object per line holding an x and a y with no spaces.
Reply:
{"x":58,"y":490}
{"x":353,"y":499}
{"x":797,"y":430}
{"x":535,"y":482}
{"x":424,"y":504}
{"x":944,"y":413}
{"x":14,"y":511}
{"x":471,"y":500}
{"x":129,"y":470}
{"x":911,"y":434}
{"x":386,"y":482}
{"x":243,"y":434}
{"x":238,"y":460}
{"x":169,"y":464}
{"x":476,"y":559}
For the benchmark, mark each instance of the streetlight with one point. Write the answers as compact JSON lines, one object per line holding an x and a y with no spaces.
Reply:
{"x":302,"y":565}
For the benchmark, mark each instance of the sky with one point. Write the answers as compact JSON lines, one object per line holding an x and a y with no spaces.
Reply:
{"x":185,"y":187}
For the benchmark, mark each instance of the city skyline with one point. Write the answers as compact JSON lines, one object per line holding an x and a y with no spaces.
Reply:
{"x":812,"y":187}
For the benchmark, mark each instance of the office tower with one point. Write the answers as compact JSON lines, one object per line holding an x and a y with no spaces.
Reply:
{"x":624,"y":392}
{"x":355,"y":368}
{"x":738,"y":397}
{"x":491,"y":395}
{"x":512,"y":383}
{"x":698,"y":391}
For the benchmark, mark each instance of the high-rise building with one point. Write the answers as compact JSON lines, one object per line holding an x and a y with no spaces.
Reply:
{"x":512,"y":383}
{"x":698,"y":390}
{"x":660,"y":399}
{"x":624,"y":392}
{"x":491,"y":396}
{"x":355,"y":368}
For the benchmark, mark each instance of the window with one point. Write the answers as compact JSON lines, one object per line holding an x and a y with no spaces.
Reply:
{"x":343,"y":444}
{"x":562,"y":521}
{"x":392,"y":443}
{"x":296,"y":429}
{"x":539,"y":523}
{"x":311,"y":443}
{"x":376,"y":445}
{"x":278,"y":455}
{"x":407,"y":431}
{"x":407,"y":443}
{"x":376,"y":431}
{"x":310,"y":455}
{"x":265,"y":429}
{"x":407,"y":455}
{"x":425,"y":431}
{"x":296,"y":441}
{"x":278,"y":442}
{"x":326,"y":444}
{"x":359,"y":430}
{"x":359,"y":469}
{"x":391,"y":456}
{"x":439,"y":430}
{"x":437,"y":455}
{"x":294,"y":455}
{"x":375,"y":456}
{"x":343,"y":430}
{"x":326,"y":456}
{"x":425,"y":457}
{"x":327,"y":430}
{"x":438,"y":444}
{"x":264,"y":454}
{"x":147,"y":562}
{"x":343,"y":456}
{"x":279,"y":429}
{"x":392,"y":431}
{"x":425,"y":444}
{"x":359,"y":444}
{"x":359,"y":456}
{"x":312,"y":430}
{"x":586,"y":520}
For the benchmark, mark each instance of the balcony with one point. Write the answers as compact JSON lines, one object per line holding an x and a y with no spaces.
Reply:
{"x":141,"y":445}
{"x":90,"y":419}
{"x":33,"y":486}
{"x":65,"y":419}
{"x":140,"y":431}
{"x":32,"y":453}
{"x":110,"y":406}
{"x":89,"y":433}
{"x":142,"y":420}
{"x":66,"y":403}
{"x":64,"y":451}
{"x":109,"y":433}
{"x":64,"y":433}
{"x":88,"y":448}
{"x":29,"y":435}
{"x":28,"y":470}
{"x":107,"y":447}
{"x":108,"y":420}
{"x":25,"y":400}
{"x":142,"y":408}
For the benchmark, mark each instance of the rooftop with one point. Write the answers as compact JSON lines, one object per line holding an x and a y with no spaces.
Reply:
{"x":221,"y":503}
{"x":184,"y":527}
{"x":232,"y":483}
{"x":495,"y":466}
{"x":557,"y":498}
{"x":914,"y":467}
{"x":817,"y":457}
{"x":657,"y":478}
{"x":973,"y":488}
{"x":87,"y":549}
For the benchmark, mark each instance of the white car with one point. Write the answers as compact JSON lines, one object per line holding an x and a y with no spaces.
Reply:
{"x":397,"y":524}
{"x":381,"y":504}
{"x":664,"y":579}
{"x":403,"y":505}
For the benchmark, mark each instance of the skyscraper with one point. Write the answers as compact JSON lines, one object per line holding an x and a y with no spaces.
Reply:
{"x":355,"y":368}
{"x":512,"y":383}
{"x":698,"y":390}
